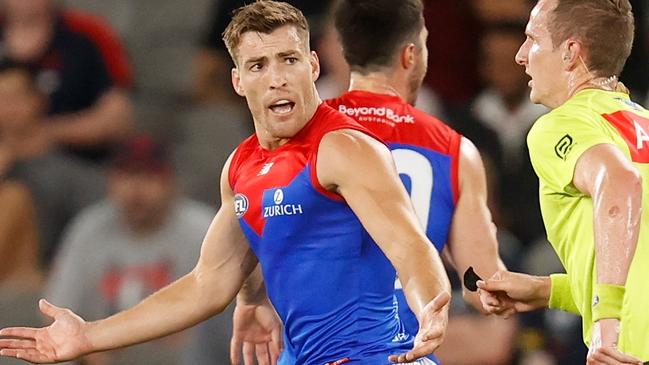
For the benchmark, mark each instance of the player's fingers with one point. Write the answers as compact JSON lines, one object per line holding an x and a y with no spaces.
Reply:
{"x":21,"y":332}
{"x":235,"y":350}
{"x":261,"y":350}
{"x":432,"y":334}
{"x":29,"y":355}
{"x":275,"y":348}
{"x":248,"y":353}
{"x":398,"y":358}
{"x":440,"y":301}
{"x":17,"y":344}
{"x":420,"y":350}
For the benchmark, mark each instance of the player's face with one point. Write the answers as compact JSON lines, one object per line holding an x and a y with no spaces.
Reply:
{"x":276,"y":73}
{"x":421,"y":67}
{"x":542,"y":60}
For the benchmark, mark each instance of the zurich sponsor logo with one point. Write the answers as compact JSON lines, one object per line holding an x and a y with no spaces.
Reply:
{"x":240,"y":205}
{"x":280,"y":209}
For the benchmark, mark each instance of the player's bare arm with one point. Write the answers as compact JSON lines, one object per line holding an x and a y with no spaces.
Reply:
{"x":465,"y":245}
{"x":361,"y":169}
{"x":225,"y":261}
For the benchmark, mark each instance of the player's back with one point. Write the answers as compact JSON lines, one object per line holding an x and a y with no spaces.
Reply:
{"x":426,"y":153}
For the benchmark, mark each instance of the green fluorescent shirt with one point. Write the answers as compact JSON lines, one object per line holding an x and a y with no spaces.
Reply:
{"x":556,"y":141}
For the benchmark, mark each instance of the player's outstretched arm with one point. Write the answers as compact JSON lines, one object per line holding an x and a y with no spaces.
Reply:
{"x":225,"y":261}
{"x":472,"y":239}
{"x":615,"y":186}
{"x":361,"y":169}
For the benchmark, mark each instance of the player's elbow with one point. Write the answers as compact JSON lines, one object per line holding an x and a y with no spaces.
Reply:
{"x":210,"y":294}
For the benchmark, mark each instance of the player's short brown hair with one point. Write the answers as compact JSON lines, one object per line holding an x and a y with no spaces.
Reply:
{"x":371,"y":31}
{"x":605,"y":28}
{"x":263,"y":16}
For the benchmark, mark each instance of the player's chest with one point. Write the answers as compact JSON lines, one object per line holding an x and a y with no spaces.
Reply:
{"x":274,"y":192}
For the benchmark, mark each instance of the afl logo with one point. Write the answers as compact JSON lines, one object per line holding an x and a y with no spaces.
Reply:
{"x":278,"y":197}
{"x":240,"y":205}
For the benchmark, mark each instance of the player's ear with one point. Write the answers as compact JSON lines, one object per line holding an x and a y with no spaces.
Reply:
{"x":315,"y":65}
{"x":408,"y":56}
{"x":236,"y":82}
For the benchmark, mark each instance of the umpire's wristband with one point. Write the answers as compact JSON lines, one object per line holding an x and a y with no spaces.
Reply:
{"x":607,"y":301}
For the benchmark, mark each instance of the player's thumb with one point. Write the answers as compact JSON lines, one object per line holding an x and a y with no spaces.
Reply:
{"x":48,"y":309}
{"x":441,"y":300}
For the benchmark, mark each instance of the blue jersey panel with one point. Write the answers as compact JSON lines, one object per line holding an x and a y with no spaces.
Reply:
{"x":342,"y":304}
{"x":426,"y":175}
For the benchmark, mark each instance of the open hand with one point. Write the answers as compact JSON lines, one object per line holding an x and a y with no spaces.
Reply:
{"x":63,"y":340}
{"x":257,"y":332}
{"x":432,"y":328}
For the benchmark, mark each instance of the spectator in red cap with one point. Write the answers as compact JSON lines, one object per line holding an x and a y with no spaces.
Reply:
{"x":140,"y":238}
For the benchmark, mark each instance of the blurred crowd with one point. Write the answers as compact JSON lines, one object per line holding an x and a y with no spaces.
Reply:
{"x":117,"y":116}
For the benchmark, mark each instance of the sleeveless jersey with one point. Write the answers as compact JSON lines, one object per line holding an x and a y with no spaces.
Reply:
{"x":426,"y":153}
{"x":556,"y":141}
{"x":328,"y":280}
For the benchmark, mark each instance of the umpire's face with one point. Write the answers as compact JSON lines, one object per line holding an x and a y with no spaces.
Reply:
{"x":542,"y":60}
{"x":276,"y":73}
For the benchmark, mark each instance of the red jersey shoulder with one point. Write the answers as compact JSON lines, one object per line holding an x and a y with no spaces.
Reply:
{"x":329,"y":119}
{"x":396,"y":121}
{"x":245,"y":149}
{"x":106,"y":39}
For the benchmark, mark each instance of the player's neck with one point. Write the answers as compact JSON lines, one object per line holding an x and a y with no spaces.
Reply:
{"x":378,"y":83}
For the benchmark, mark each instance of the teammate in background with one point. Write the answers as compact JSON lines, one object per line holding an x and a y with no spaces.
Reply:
{"x":590,"y":154}
{"x":305,"y":196}
{"x":441,"y":170}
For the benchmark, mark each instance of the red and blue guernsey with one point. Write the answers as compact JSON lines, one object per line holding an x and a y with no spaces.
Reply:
{"x":426,"y":153}
{"x":328,"y":280}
